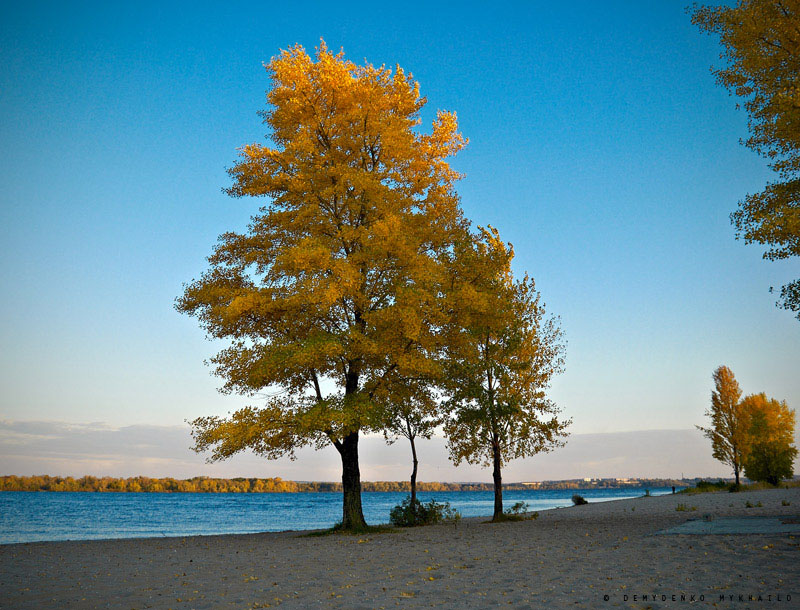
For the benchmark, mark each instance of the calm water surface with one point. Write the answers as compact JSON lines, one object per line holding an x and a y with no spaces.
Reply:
{"x":38,"y":516}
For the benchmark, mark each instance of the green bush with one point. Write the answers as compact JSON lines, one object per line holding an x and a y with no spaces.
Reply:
{"x":578,"y":500}
{"x":516,"y":512}
{"x":406,"y":515}
{"x":770,"y":462}
{"x":709,"y":486}
{"x":518,"y":508}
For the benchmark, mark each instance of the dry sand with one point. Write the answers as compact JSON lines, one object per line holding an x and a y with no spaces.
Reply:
{"x":593,"y":556}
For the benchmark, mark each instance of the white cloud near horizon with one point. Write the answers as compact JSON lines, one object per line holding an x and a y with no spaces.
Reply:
{"x":60,"y":449}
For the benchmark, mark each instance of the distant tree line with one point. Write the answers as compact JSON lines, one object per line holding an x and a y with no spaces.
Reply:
{"x":147,"y":484}
{"x":276,"y":485}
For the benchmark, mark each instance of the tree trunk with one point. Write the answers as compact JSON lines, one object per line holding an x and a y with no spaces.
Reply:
{"x":352,"y":514}
{"x":736,"y":474}
{"x":414,"y":477}
{"x":498,"y":482}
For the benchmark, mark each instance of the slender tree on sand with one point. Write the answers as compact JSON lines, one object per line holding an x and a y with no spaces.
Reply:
{"x":502,"y":353}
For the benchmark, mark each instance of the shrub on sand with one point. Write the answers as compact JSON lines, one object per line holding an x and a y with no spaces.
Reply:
{"x":406,"y":515}
{"x":709,"y":486}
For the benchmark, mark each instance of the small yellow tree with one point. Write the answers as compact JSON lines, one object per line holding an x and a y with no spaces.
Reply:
{"x":730,"y":424}
{"x":501,"y":354}
{"x":332,"y":295}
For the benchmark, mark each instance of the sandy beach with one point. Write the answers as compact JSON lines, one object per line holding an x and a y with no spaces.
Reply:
{"x":607,"y":554}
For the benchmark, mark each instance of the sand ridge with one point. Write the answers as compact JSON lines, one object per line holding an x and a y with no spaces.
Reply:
{"x":598,"y":555}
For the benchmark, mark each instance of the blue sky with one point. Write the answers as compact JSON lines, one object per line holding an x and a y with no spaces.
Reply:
{"x":600,"y":146}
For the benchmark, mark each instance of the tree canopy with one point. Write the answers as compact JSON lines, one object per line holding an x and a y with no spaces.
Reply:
{"x":754,"y":433}
{"x":501,"y":355}
{"x":331,"y":298}
{"x":414,"y":414}
{"x":729,"y":422}
{"x":761,"y":51}
{"x":771,"y":437}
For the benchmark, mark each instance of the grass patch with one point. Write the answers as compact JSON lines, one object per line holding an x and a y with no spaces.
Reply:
{"x":709,"y":486}
{"x":338,"y":530}
{"x":505,"y":517}
{"x":684,"y":508}
{"x":765,"y":485}
{"x":516,"y":512}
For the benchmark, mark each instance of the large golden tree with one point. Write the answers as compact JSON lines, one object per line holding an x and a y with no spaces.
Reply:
{"x":331,"y":298}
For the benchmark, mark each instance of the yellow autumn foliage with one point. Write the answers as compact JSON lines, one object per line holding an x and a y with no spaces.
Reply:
{"x":333,"y":299}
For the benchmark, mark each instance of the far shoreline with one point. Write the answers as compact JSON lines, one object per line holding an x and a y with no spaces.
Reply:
{"x":142,"y":484}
